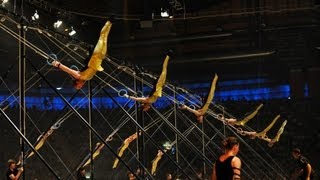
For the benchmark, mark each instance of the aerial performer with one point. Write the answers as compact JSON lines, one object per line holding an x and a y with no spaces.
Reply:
{"x":157,"y":89}
{"x":261,"y":135}
{"x":199,"y":113}
{"x":124,"y":146}
{"x":94,"y":63}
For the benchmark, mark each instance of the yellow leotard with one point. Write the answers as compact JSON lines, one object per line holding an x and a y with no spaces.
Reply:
{"x":98,"y":55}
{"x":205,"y":107}
{"x":155,"y":162}
{"x":124,"y":146}
{"x":161,"y":81}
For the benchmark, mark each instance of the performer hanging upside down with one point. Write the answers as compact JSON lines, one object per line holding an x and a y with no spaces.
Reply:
{"x":157,"y":89}
{"x":201,"y":112}
{"x":124,"y":146}
{"x":95,"y":61}
{"x":155,"y":161}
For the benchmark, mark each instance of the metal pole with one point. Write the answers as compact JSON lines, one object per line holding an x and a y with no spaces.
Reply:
{"x":176,"y":125}
{"x":147,"y":135}
{"x":22,"y":69}
{"x":140,"y":138}
{"x":28,"y":143}
{"x":82,"y":119}
{"x":203,"y":149}
{"x":91,"y":146}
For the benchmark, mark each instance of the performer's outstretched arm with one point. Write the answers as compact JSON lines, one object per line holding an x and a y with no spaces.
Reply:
{"x":139,"y":99}
{"x":194,"y":111}
{"x":75,"y":74}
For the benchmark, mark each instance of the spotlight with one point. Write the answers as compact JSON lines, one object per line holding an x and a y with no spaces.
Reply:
{"x":167,"y":145}
{"x":57,"y":24}
{"x":59,"y":88}
{"x":35,"y":16}
{"x":3,"y":2}
{"x":72,"y":32}
{"x":164,"y":14}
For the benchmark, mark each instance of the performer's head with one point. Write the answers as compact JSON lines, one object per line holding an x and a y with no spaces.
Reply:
{"x":231,"y":144}
{"x":200,"y":118}
{"x":12,"y":164}
{"x":131,"y":176}
{"x":168,"y":176}
{"x":82,"y":171}
{"x":296,"y":153}
{"x":78,"y":83}
{"x":146,"y":106}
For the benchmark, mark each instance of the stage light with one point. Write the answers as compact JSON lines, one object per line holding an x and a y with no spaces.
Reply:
{"x":57,"y":24}
{"x":167,"y":145}
{"x":59,"y":88}
{"x":35,"y":16}
{"x":3,"y":2}
{"x":72,"y":32}
{"x":164,"y":14}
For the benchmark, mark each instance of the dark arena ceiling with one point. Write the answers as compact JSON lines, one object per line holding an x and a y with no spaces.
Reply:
{"x":236,"y":39}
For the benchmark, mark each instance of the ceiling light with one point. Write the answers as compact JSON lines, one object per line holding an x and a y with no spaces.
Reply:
{"x":164,"y":14}
{"x":57,"y":24}
{"x":35,"y":16}
{"x":3,"y":2}
{"x":72,"y":32}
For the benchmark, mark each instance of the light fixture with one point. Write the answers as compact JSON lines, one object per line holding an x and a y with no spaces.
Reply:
{"x":35,"y":16}
{"x":164,"y":14}
{"x":72,"y":32}
{"x":57,"y":24}
{"x":167,"y":145}
{"x":59,"y":88}
{"x":3,"y":2}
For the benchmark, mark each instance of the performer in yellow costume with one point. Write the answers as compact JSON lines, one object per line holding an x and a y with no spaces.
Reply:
{"x":199,"y":113}
{"x":155,"y":161}
{"x":124,"y":146}
{"x":95,"y":61}
{"x":157,"y":90}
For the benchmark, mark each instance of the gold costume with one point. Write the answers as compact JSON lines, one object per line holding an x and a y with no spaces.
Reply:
{"x":98,"y":55}
{"x":124,"y":146}
{"x":157,"y":92}
{"x":249,"y":117}
{"x":155,"y":162}
{"x":263,"y":133}
{"x":97,"y":151}
{"x":40,"y":142}
{"x":205,"y":107}
{"x":277,"y":137}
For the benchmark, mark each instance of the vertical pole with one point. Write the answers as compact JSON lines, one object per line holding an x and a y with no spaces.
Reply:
{"x":22,"y":68}
{"x":176,"y":125}
{"x":140,"y":139}
{"x":90,"y":133}
{"x":203,"y":149}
